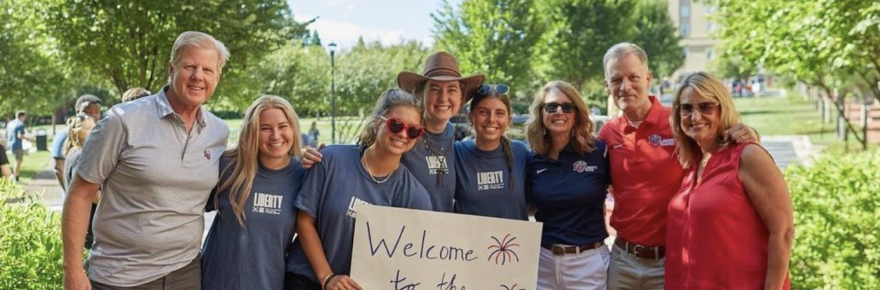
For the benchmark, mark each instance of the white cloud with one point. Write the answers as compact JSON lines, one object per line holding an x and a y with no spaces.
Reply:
{"x":346,"y":34}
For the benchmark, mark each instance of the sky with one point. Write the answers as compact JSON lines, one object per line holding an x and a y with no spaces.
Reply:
{"x":390,"y":21}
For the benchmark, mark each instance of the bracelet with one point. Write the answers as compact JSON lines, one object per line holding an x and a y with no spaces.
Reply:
{"x":327,"y":280}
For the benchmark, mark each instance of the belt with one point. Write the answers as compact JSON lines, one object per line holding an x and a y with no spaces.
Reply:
{"x":559,"y":249}
{"x":641,"y":252}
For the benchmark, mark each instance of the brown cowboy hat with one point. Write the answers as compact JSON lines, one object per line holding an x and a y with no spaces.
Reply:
{"x":440,"y":66}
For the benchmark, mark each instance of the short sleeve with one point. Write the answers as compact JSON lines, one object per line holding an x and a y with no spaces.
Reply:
{"x":102,"y":148}
{"x":309,"y":198}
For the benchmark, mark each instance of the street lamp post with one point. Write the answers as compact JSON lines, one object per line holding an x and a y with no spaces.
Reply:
{"x":332,"y":46}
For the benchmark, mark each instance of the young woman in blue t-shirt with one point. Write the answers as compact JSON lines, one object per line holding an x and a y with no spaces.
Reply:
{"x":259,"y":179}
{"x":349,"y":175}
{"x":490,"y":168}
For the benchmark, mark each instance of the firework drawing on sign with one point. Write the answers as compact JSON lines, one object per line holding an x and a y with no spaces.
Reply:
{"x":514,"y":287}
{"x":503,"y":251}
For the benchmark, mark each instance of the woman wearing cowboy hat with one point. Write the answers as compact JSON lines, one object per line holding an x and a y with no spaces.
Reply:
{"x":442,"y":90}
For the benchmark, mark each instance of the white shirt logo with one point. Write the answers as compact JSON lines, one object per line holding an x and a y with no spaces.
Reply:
{"x":267,"y":203}
{"x":490,"y":180}
{"x":540,"y":170}
{"x":437,"y":164}
{"x":352,"y":206}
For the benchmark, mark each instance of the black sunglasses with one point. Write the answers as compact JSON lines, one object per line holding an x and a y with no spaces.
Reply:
{"x":705,"y":108}
{"x":553,"y":107}
{"x":395,"y":125}
{"x":501,"y":89}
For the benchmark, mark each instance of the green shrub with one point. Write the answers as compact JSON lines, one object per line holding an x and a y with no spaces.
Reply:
{"x":836,"y":217}
{"x":30,"y":239}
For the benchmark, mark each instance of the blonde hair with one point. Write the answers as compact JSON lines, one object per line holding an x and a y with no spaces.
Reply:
{"x":708,"y":87}
{"x":582,"y":139}
{"x":134,"y":94}
{"x":200,"y":40}
{"x":389,"y":99}
{"x":78,"y":128}
{"x":244,"y":156}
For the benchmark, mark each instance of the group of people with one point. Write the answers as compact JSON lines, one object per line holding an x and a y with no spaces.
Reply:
{"x":680,"y":176}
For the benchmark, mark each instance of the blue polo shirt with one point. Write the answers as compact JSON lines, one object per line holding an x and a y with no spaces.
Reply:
{"x":483,"y":181}
{"x":569,"y":194}
{"x":331,"y":193}
{"x":432,"y":165}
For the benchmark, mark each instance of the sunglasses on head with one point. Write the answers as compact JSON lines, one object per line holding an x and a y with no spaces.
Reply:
{"x":705,"y":108}
{"x":395,"y":125}
{"x":501,"y":89}
{"x":553,"y":107}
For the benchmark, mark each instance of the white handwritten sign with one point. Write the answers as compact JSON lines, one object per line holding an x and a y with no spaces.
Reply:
{"x":404,"y":249}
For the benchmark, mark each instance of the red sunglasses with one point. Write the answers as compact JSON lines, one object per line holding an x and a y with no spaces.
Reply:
{"x":395,"y":125}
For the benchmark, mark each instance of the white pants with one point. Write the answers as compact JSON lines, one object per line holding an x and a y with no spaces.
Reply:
{"x":585,"y":271}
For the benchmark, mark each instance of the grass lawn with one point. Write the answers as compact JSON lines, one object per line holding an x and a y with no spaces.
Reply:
{"x":32,"y":163}
{"x":785,"y":116}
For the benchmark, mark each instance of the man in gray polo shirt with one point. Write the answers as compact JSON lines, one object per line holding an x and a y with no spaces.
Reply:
{"x":155,"y":161}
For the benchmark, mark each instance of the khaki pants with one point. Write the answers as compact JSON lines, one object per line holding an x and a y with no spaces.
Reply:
{"x":187,"y":278}
{"x":628,"y":272}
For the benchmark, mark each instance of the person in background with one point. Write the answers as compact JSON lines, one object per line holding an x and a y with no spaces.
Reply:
{"x":370,"y":172}
{"x":490,"y":168}
{"x":5,"y":172}
{"x":731,"y":224}
{"x":16,"y":133}
{"x":156,"y":161}
{"x":313,"y":134}
{"x":645,"y":172}
{"x":442,"y":90}
{"x":80,"y":127}
{"x":86,"y":105}
{"x":134,"y":94}
{"x":256,"y":217}
{"x":568,"y":180}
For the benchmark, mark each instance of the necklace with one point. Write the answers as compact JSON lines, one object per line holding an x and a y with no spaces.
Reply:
{"x":369,"y":172}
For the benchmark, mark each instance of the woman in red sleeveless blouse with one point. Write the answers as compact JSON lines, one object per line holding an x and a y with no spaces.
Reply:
{"x":730,"y":226}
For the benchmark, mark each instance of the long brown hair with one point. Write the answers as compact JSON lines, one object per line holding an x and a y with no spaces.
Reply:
{"x":245,"y":155}
{"x":582,"y":138}
{"x":505,"y":142}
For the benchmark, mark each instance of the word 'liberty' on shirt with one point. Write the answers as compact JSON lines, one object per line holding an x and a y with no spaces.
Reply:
{"x":267,"y":203}
{"x":490,"y":180}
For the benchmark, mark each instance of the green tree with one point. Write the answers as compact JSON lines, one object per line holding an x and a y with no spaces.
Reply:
{"x":129,"y":43}
{"x":580,"y":31}
{"x":494,"y":37}
{"x":655,"y":33}
{"x":32,"y":76}
{"x":300,"y":73}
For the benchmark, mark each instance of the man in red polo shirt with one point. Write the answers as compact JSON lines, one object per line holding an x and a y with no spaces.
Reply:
{"x":645,"y":172}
